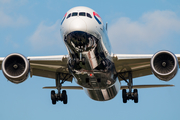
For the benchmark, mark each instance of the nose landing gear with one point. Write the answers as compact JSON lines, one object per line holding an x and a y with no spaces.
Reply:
{"x":73,"y":63}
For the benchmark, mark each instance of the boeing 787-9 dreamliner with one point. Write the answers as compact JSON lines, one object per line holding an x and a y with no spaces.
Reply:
{"x":90,"y":62}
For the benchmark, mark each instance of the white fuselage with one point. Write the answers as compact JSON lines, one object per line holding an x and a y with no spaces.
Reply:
{"x":89,"y":50}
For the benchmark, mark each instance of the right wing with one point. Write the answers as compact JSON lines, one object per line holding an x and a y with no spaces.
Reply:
{"x":138,"y":64}
{"x":48,"y":66}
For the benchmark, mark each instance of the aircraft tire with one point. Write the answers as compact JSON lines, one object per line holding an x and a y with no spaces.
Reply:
{"x":53,"y":97}
{"x":135,"y":92}
{"x":64,"y":96}
{"x":124,"y":96}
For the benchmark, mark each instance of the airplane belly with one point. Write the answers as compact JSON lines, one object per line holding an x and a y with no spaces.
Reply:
{"x":95,"y":80}
{"x":103,"y":94}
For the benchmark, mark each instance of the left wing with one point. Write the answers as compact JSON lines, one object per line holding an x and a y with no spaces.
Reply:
{"x":138,"y":64}
{"x":48,"y":66}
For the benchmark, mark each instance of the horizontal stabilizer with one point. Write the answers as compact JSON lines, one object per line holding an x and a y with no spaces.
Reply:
{"x":122,"y":87}
{"x":65,"y":87}
{"x":145,"y":86}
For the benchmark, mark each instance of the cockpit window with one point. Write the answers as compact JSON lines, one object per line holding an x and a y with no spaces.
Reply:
{"x":69,"y":16}
{"x":88,"y":15}
{"x":74,"y":14}
{"x":82,"y":14}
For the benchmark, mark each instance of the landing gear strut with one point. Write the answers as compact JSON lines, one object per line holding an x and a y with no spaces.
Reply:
{"x":130,"y":95}
{"x":59,"y":96}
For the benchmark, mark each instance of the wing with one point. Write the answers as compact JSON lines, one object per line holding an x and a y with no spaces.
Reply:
{"x":48,"y":66}
{"x":138,"y":64}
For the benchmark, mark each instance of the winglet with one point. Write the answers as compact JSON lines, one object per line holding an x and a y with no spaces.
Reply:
{"x":145,"y":86}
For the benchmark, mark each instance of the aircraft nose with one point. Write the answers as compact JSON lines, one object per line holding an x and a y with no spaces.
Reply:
{"x":78,"y":25}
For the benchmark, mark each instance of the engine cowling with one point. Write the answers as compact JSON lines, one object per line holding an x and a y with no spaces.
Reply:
{"x":164,"y":65}
{"x":16,"y":68}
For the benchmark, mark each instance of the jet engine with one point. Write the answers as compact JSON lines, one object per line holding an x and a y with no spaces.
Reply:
{"x":164,"y":65}
{"x":16,"y":68}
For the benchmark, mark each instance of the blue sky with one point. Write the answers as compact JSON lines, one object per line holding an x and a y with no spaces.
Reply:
{"x":32,"y":29}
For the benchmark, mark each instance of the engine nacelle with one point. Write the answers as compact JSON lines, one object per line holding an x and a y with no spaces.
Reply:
{"x":164,"y":65}
{"x":16,"y":68}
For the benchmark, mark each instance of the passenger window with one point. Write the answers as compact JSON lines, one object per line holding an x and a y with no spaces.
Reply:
{"x":74,"y":14}
{"x":82,"y":14}
{"x":69,"y":16}
{"x":88,"y":15}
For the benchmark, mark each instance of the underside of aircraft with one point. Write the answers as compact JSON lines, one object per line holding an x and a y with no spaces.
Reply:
{"x":90,"y":62}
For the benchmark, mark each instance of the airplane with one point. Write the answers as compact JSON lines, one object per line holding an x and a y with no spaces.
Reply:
{"x":90,"y":62}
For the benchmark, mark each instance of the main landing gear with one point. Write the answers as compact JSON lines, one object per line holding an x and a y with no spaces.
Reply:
{"x":130,"y":95}
{"x":59,"y":96}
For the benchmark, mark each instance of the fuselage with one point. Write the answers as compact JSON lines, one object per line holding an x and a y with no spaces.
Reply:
{"x":89,"y":49}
